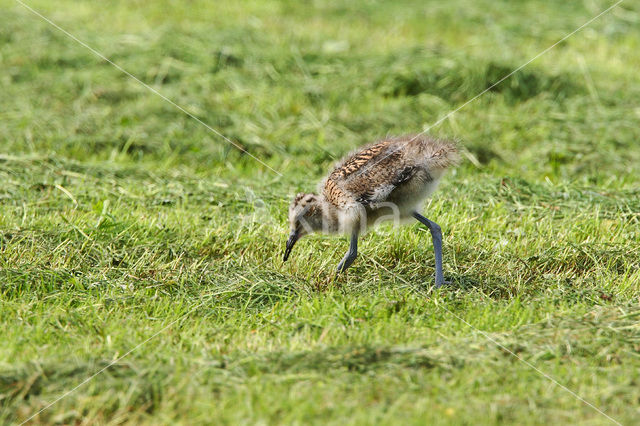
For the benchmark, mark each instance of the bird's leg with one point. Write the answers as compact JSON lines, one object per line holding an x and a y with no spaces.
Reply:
{"x":436,"y":236}
{"x":348,"y":258}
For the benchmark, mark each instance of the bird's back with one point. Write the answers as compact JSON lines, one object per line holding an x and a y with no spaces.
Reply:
{"x":392,"y":170}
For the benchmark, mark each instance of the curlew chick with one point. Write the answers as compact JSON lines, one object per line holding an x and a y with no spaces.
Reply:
{"x":388,"y":180}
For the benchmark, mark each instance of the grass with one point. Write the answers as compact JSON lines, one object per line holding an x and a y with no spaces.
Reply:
{"x":122,"y":219}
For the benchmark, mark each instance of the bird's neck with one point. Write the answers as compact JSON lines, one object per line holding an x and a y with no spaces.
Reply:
{"x":331,"y":222}
{"x":344,"y":219}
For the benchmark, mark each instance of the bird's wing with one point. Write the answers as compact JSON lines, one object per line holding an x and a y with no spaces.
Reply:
{"x":371,"y":193}
{"x":370,"y":175}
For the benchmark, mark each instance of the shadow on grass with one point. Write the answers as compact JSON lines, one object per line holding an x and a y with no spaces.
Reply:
{"x":494,"y":286}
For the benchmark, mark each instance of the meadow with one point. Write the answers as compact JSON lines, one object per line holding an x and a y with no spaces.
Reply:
{"x":130,"y":232}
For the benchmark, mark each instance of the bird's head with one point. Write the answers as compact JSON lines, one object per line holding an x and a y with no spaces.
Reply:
{"x":305,"y":216}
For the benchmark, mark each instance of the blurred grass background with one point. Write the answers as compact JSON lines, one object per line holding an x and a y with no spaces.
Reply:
{"x":120,"y":215}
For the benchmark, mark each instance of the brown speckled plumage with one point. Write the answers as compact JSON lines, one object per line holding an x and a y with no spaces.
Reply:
{"x":378,"y":169}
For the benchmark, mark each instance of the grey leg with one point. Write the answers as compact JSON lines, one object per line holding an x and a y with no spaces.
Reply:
{"x":348,"y":258}
{"x":436,"y":236}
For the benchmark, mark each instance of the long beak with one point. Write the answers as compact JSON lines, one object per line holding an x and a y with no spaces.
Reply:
{"x":293,"y":237}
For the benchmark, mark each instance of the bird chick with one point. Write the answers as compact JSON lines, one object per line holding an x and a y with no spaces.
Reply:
{"x":388,"y":180}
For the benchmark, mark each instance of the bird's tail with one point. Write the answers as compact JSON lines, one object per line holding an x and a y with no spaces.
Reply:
{"x":443,"y":154}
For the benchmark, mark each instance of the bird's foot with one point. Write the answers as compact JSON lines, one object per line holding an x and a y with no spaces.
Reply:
{"x":440,"y":283}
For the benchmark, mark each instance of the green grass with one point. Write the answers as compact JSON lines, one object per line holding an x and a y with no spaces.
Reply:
{"x":121,"y":217}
